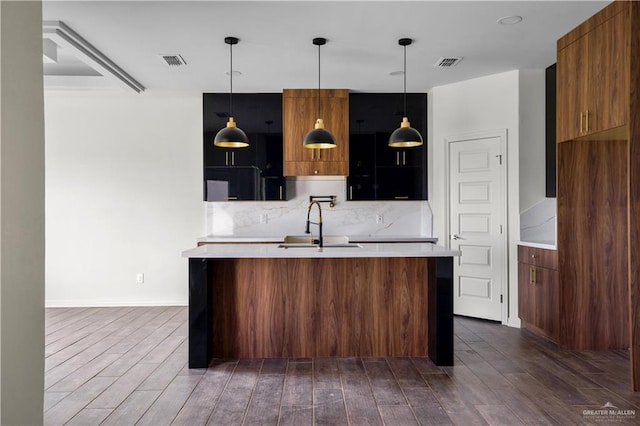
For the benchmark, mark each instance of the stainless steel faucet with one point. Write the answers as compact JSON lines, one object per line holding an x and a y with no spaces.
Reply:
{"x":319,"y":241}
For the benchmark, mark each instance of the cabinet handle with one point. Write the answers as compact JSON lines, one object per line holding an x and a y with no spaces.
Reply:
{"x":404,"y":158}
{"x":281,"y":192}
{"x":315,"y":172}
{"x":532,"y":275}
{"x":581,"y":122}
{"x":351,"y":192}
{"x":232,"y":197}
{"x":233,"y":158}
{"x":397,"y":158}
{"x":226,"y":158}
{"x":586,"y":130}
{"x":401,"y":197}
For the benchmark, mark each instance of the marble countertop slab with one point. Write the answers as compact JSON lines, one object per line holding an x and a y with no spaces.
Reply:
{"x":352,"y":238}
{"x":262,"y":250}
{"x":549,"y":245}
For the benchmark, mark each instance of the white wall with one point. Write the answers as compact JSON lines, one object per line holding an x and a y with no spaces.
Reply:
{"x":487,"y":104}
{"x":123,"y":182}
{"x":22,"y":221}
{"x":531,"y":121}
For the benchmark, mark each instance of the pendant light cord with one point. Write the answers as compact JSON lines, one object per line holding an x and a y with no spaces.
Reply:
{"x":404,"y":74}
{"x":230,"y":80}
{"x":318,"y":82}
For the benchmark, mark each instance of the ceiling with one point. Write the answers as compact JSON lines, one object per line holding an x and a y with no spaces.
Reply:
{"x":275,"y":49}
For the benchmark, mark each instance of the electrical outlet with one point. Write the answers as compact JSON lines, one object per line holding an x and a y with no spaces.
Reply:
{"x":140,"y":278}
{"x":379,"y":218}
{"x":264,"y":218}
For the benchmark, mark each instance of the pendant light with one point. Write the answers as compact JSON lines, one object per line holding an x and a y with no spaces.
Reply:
{"x":319,"y":137}
{"x":405,"y":135}
{"x":231,"y":136}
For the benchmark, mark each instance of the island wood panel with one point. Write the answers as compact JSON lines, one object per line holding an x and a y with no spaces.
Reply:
{"x":319,"y":307}
{"x":593,"y":244}
{"x":634,"y":198}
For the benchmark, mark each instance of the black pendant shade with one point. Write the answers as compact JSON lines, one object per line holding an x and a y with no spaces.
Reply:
{"x":231,"y":136}
{"x":405,"y":136}
{"x":319,"y":137}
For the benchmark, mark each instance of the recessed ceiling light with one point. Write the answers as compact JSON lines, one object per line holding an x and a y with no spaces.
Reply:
{"x":510,"y":20}
{"x":394,"y":73}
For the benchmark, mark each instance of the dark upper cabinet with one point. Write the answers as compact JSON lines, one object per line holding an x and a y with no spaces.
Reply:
{"x":377,"y":171}
{"x":550,"y":131}
{"x":251,"y":173}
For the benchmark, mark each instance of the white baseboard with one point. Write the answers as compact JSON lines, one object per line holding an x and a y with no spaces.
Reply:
{"x":514,"y":322}
{"x":94,"y":303}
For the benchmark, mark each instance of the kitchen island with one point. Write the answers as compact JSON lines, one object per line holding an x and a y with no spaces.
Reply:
{"x":373,"y":299}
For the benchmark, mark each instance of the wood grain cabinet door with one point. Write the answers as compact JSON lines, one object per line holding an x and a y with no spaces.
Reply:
{"x":545,"y":300}
{"x":300,"y":111}
{"x":592,"y":82}
{"x":524,"y":296}
{"x":571,"y":90}
{"x":608,"y":96}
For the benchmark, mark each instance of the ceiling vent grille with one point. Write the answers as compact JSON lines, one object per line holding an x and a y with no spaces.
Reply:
{"x":174,"y":60}
{"x":447,"y":62}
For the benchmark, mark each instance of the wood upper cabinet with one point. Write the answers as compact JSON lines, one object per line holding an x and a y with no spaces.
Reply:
{"x":538,"y":292}
{"x":593,"y":77}
{"x":300,"y":110}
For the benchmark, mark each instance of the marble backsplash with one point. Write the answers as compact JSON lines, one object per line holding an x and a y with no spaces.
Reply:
{"x":538,"y":223}
{"x":278,"y":218}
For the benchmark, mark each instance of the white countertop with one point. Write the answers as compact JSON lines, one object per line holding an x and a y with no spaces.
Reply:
{"x":271,"y":250}
{"x":549,"y":245}
{"x":352,"y":238}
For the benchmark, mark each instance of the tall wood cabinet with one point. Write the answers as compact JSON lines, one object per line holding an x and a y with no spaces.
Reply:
{"x":598,"y":189}
{"x":300,"y":111}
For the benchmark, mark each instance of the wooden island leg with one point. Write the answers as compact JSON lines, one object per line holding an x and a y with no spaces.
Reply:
{"x":440,"y":312}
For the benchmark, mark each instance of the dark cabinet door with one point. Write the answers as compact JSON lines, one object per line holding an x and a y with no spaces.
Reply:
{"x":260,"y":117}
{"x":397,"y":173}
{"x":240,"y":183}
{"x":218,"y":156}
{"x":399,"y":183}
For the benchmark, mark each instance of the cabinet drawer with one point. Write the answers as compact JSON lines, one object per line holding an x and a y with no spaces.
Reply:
{"x":538,"y":257}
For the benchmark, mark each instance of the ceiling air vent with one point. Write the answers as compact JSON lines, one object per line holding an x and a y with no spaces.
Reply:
{"x":174,"y":60}
{"x":447,"y":62}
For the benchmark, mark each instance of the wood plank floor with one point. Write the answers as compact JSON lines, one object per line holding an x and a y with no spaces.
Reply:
{"x":125,"y":366}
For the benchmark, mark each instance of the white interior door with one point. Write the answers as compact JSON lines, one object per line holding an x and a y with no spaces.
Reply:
{"x":477,"y":224}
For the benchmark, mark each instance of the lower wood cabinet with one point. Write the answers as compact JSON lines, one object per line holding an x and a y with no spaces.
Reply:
{"x":538,"y":292}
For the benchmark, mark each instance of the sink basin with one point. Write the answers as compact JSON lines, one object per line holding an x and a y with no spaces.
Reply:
{"x":316,"y":246}
{"x":306,"y":239}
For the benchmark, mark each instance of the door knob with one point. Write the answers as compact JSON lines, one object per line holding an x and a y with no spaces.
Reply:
{"x":455,"y":237}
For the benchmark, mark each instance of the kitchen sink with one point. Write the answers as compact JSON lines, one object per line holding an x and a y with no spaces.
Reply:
{"x":329,"y":241}
{"x":306,"y":239}
{"x":325,"y":245}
